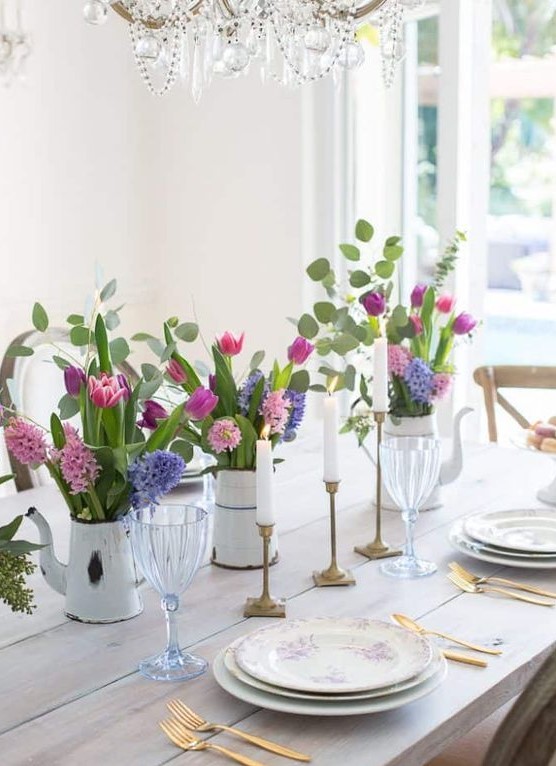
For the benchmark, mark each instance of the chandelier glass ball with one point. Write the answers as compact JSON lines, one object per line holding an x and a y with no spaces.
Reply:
{"x":292,"y":42}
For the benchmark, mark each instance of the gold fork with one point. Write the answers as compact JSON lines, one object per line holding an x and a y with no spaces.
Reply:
{"x":476,"y":580}
{"x":185,"y":739}
{"x":193,"y":721}
{"x":468,"y":587}
{"x":409,"y":624}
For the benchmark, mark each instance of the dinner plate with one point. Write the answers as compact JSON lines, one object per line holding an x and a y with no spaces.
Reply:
{"x":530,"y":530}
{"x":322,"y":707}
{"x":477,"y":550}
{"x":333,"y":654}
{"x":233,"y":668}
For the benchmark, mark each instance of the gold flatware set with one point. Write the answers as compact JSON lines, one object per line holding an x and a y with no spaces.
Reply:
{"x":470,"y":583}
{"x":184,"y":727}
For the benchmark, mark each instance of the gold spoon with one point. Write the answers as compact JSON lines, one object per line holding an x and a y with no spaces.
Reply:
{"x":409,"y":624}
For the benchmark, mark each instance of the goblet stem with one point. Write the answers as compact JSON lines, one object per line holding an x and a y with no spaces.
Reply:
{"x":410,"y":517}
{"x":171,"y":604}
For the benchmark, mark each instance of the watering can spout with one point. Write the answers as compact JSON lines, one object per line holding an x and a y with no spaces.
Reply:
{"x":451,"y":468}
{"x":53,"y":571}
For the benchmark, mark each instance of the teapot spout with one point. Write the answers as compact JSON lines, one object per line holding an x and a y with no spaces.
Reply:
{"x":53,"y":571}
{"x":451,"y":468}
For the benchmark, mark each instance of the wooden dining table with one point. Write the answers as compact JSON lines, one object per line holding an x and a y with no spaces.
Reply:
{"x":70,"y":693}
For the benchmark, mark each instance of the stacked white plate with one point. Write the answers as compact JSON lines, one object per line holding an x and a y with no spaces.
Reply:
{"x":517,"y":538}
{"x":330,"y":666}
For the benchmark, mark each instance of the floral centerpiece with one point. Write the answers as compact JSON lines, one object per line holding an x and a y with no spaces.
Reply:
{"x":225,"y":415}
{"x":98,"y":454}
{"x":421,"y":334}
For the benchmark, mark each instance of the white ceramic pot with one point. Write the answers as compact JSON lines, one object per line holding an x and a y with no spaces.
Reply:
{"x":99,"y":580}
{"x":236,"y":543}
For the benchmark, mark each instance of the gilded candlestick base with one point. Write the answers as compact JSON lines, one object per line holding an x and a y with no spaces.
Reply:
{"x":378,"y":549}
{"x":265,"y":605}
{"x":334,"y":575}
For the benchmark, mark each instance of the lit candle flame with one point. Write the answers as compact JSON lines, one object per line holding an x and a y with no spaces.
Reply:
{"x":332,"y":385}
{"x":265,"y":433}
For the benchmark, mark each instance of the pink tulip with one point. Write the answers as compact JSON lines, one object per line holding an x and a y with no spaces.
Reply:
{"x":417,"y":324}
{"x":445,"y":303}
{"x":201,"y":403}
{"x":105,"y":392}
{"x":176,"y":372}
{"x":229,"y":345}
{"x":300,"y":350}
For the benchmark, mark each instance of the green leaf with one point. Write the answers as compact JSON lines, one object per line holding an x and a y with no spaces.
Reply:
{"x":112,"y":320}
{"x":168,"y":351}
{"x":80,"y":335}
{"x":318,"y":269}
{"x":75,"y":319}
{"x":256,"y":397}
{"x":325,"y":312}
{"x":256,"y":360}
{"x":19,"y":547}
{"x":7,"y":532}
{"x":349,"y":377}
{"x":384,"y":269}
{"x":359,"y":279}
{"x":245,"y":453}
{"x":307,"y":326}
{"x":40,"y":318}
{"x":225,"y":385}
{"x":364,"y":231}
{"x":202,"y":368}
{"x":188,"y":331}
{"x":149,"y":371}
{"x":351,"y":252}
{"x":319,"y":388}
{"x":148,"y":388}
{"x":140,"y":336}
{"x":19,"y":351}
{"x":183,"y":448}
{"x":105,"y":458}
{"x":393,"y":252}
{"x":165,"y":432}
{"x":60,"y":362}
{"x":156,"y":346}
{"x":391,"y":241}
{"x":344,"y":343}
{"x":119,"y":350}
{"x":6,"y":477}
{"x":329,"y":281}
{"x":399,"y":316}
{"x":323,"y":346}
{"x":57,"y":431}
{"x":68,"y":407}
{"x":300,"y":381}
{"x":173,"y":322}
{"x":108,"y":290}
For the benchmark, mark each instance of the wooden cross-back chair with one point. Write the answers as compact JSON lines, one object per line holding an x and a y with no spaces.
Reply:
{"x":12,"y":367}
{"x":527,"y":736}
{"x":492,"y":379}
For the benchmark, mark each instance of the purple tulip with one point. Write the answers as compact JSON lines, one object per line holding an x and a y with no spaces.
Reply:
{"x":124,"y":384}
{"x":152,"y":412}
{"x":417,"y":295}
{"x":212,"y":383}
{"x":464,"y":323}
{"x":201,"y":403}
{"x":300,"y":350}
{"x":74,"y":378}
{"x":374,"y":304}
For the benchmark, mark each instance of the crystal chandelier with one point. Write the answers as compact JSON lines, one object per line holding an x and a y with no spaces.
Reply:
{"x":292,"y":41}
{"x":15,"y":44}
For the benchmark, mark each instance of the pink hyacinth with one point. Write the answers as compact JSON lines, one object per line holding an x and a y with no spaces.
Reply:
{"x":276,"y":411}
{"x":25,"y":441}
{"x":77,"y":463}
{"x":224,"y":435}
{"x":441,"y":383}
{"x":105,"y":392}
{"x":398,"y":359}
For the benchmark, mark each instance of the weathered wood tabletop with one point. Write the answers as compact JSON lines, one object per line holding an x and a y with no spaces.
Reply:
{"x":70,"y":694}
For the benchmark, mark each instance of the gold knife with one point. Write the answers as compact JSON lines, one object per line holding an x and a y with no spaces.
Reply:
{"x":464,"y":658}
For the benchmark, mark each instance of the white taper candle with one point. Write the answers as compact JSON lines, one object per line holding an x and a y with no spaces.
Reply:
{"x":331,"y":452}
{"x":380,"y":375}
{"x":265,"y":482}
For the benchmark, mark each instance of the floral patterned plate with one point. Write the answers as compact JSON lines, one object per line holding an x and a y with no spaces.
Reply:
{"x":322,"y":707}
{"x":333,"y":654}
{"x":233,"y":668}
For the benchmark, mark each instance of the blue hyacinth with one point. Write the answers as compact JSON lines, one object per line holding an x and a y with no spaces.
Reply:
{"x":153,"y":475}
{"x":246,"y":391}
{"x":419,"y":379}
{"x":297,"y":412}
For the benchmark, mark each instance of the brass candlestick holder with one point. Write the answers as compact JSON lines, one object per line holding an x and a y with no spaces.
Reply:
{"x":378,"y":549}
{"x":334,"y":575}
{"x":265,"y":605}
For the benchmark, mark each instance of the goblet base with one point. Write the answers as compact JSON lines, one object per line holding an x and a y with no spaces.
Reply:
{"x":408,"y":567}
{"x":173,"y":666}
